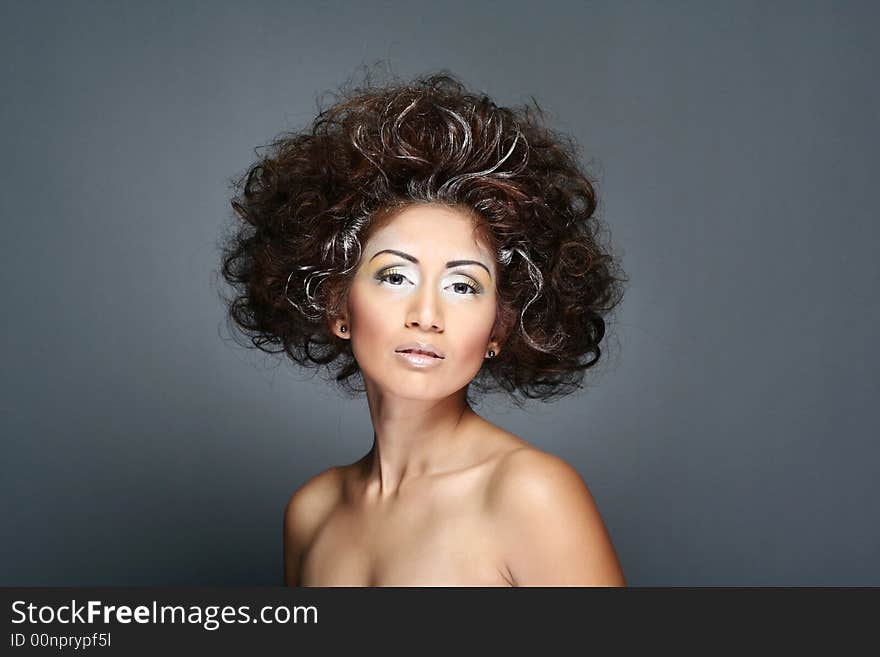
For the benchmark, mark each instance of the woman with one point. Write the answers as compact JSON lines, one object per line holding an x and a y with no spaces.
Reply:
{"x":428,"y":243}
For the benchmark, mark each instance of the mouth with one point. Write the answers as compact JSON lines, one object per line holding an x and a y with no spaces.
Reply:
{"x":413,"y":358}
{"x":419,"y":352}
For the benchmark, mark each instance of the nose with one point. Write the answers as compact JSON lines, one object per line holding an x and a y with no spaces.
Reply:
{"x":424,"y":310}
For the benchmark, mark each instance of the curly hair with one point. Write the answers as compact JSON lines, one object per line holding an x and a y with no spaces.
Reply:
{"x":307,"y":206}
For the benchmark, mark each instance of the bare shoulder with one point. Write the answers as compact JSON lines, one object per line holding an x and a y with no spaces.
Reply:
{"x":548,"y":525}
{"x":311,"y":502}
{"x":304,"y":514}
{"x":527,"y":473}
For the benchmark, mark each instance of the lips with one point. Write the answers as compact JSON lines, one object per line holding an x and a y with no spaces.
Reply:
{"x":418,"y":351}
{"x":420,"y":348}
{"x":419,"y":361}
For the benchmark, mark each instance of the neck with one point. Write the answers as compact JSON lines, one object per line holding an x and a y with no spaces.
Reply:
{"x":413,"y":439}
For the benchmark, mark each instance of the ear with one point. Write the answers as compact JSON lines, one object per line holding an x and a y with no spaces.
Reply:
{"x":335,"y":325}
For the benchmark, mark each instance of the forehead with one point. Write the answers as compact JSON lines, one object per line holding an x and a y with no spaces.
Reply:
{"x":431,"y":231}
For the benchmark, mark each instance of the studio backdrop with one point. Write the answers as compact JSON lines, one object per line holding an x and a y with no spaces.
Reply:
{"x":729,"y":435}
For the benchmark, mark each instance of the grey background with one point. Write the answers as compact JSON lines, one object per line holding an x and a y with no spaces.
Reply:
{"x":730,"y":436}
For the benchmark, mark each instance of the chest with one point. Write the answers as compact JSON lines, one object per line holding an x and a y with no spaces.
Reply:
{"x":425,"y":546}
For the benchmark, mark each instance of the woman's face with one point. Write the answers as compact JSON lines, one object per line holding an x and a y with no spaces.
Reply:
{"x":424,"y":277}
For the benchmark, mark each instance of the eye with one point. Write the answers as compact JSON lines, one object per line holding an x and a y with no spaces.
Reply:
{"x":473,"y":290}
{"x":390,"y":274}
{"x":393,"y":277}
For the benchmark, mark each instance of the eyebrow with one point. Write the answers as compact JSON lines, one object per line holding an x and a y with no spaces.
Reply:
{"x":451,"y":263}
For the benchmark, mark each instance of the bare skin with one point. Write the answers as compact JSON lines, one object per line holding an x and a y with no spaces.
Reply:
{"x":444,"y":497}
{"x":434,"y":532}
{"x":454,"y":528}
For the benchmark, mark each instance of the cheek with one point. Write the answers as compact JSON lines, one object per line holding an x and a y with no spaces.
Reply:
{"x":369,"y":327}
{"x":473,"y":333}
{"x":469,"y":326}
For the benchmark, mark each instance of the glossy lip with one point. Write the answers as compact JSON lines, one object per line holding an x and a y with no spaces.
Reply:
{"x":421,"y":346}
{"x":420,"y":361}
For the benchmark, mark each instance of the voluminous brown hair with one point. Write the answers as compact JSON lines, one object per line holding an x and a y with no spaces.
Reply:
{"x":308,"y":205}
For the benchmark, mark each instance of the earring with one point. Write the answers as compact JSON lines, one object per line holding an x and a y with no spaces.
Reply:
{"x":491,"y":354}
{"x":343,"y":328}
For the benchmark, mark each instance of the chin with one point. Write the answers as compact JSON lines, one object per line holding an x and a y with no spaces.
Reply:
{"x":417,"y":393}
{"x":409,"y":387}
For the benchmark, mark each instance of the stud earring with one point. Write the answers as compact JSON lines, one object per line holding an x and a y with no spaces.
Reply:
{"x":343,"y":328}
{"x":491,"y":354}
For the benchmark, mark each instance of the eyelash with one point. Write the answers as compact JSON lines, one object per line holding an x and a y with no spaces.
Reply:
{"x":387,"y":273}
